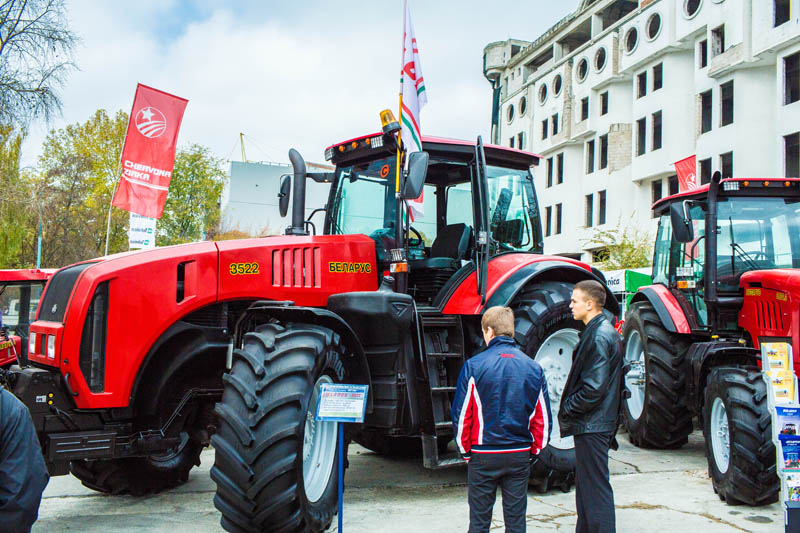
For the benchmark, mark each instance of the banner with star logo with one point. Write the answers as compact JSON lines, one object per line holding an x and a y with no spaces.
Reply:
{"x":148,"y":155}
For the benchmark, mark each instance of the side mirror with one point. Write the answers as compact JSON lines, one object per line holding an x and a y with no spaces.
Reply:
{"x":681,"y":223}
{"x":283,"y":195}
{"x":417,"y":169}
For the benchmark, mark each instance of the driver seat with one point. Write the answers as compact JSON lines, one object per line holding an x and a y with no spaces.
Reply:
{"x":448,"y":248}
{"x":428,"y":275}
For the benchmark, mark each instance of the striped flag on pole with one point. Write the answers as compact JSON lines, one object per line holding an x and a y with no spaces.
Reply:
{"x":413,"y":97}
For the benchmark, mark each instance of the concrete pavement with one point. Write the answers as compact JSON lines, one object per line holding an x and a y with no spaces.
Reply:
{"x":655,"y":490}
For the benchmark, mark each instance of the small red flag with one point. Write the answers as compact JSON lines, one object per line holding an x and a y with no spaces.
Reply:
{"x":687,"y":173}
{"x":148,"y":155}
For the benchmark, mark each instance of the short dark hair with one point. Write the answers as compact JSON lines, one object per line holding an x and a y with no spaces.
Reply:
{"x":594,"y":290}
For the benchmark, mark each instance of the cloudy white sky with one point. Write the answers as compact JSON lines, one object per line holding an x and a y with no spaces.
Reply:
{"x":288,"y":74}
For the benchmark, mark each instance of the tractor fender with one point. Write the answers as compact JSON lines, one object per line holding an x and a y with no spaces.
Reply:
{"x":355,"y":364}
{"x":182,"y":348}
{"x":548,"y":271}
{"x":702,"y":357}
{"x":508,"y":273}
{"x":666,"y":307}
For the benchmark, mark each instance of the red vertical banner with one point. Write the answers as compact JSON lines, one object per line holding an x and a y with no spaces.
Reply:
{"x":687,"y":173}
{"x":148,"y":155}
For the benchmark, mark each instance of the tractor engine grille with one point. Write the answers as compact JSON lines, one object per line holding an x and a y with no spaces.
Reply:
{"x":297,"y":267}
{"x":56,"y":296}
{"x":769,"y":315}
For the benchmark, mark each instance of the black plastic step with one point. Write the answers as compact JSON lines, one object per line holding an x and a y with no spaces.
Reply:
{"x":430,"y":455}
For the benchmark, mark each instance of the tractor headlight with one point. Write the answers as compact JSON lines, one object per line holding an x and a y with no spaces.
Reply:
{"x":51,"y":346}
{"x":32,"y":343}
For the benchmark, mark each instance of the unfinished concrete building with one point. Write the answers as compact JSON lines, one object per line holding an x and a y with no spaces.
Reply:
{"x":616,"y":92}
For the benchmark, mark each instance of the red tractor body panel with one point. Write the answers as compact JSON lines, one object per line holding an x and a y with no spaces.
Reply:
{"x":465,"y":300}
{"x":306,"y":270}
{"x":7,"y":347}
{"x":772,"y":306}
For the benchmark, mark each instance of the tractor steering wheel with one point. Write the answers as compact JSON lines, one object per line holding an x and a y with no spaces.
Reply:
{"x":419,"y":240}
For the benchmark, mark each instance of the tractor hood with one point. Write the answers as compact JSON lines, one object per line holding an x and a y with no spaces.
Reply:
{"x":133,"y":298}
{"x":783,"y":279}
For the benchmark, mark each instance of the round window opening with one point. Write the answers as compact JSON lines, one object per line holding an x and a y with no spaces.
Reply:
{"x":653,"y":26}
{"x":600,"y":59}
{"x":583,"y":69}
{"x":690,"y":7}
{"x":523,"y":105}
{"x":510,"y":113}
{"x":631,"y":40}
{"x":542,"y":94}
{"x":557,"y":85}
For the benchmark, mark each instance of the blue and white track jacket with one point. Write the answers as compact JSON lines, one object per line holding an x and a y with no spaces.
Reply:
{"x":501,"y":403}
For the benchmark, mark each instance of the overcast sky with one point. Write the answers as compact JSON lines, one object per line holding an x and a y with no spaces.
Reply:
{"x":289,"y":74}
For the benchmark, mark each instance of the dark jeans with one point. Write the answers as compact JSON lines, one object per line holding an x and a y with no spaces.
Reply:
{"x":485,"y":472}
{"x":594,"y":498}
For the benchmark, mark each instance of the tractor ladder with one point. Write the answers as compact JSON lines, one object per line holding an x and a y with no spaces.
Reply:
{"x":443,"y":339}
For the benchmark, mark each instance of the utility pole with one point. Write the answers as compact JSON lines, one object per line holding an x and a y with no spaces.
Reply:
{"x":241,"y":141}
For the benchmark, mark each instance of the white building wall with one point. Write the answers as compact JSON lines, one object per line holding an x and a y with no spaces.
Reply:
{"x":752,"y":58}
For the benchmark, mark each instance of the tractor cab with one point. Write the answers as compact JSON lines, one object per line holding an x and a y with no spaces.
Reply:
{"x":443,"y":240}
{"x":19,"y":298}
{"x":753,"y":225}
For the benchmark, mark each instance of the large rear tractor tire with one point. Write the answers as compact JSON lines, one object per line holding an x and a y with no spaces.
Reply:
{"x":275,"y":466}
{"x":656,"y":414}
{"x":546,"y":331}
{"x":738,"y":432}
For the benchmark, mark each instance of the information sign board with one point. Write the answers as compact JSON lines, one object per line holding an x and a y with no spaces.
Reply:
{"x":340,"y":402}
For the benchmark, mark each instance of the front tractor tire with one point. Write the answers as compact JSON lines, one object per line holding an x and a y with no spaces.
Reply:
{"x":545,"y":330}
{"x":139,"y":476}
{"x":738,"y":433}
{"x":275,"y":465}
{"x":655,"y":414}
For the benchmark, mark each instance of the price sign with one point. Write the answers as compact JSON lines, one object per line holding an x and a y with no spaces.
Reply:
{"x":340,"y":402}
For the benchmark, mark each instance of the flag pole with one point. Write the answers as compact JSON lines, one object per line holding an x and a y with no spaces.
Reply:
{"x":400,"y":281}
{"x":111,"y":202}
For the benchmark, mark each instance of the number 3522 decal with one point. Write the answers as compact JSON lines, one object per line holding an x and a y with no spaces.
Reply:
{"x":240,"y":269}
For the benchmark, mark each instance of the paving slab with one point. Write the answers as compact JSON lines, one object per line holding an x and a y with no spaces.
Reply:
{"x":655,"y":490}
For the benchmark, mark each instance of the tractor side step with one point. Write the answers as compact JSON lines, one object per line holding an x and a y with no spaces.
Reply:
{"x":430,"y":455}
{"x":445,"y":355}
{"x":443,"y":389}
{"x":81,"y":445}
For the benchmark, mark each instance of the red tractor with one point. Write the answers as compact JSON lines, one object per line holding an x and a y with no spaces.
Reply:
{"x":726,"y":279}
{"x":145,"y":358}
{"x":19,"y":296}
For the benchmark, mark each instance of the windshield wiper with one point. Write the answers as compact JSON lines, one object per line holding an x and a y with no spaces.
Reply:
{"x":744,"y":256}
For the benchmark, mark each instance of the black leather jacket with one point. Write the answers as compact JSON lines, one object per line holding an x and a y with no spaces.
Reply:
{"x":591,"y":396}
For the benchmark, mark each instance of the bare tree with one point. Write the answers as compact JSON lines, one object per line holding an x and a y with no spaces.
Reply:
{"x":35,"y":57}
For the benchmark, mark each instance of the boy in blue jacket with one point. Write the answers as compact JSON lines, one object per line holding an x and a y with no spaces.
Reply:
{"x":501,"y":416}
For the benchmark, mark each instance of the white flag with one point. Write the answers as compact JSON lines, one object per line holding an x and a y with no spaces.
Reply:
{"x":412,"y":88}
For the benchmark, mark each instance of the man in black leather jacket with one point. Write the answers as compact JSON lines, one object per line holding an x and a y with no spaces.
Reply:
{"x":590,"y":407}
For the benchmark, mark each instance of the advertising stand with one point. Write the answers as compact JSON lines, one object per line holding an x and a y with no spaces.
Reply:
{"x":778,"y":371}
{"x":341,"y":403}
{"x":624,"y":284}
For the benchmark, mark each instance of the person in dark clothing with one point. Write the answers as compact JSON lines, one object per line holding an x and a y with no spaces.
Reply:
{"x":23,"y":475}
{"x":589,"y":408}
{"x":501,"y":416}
